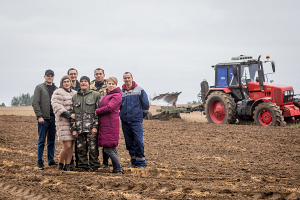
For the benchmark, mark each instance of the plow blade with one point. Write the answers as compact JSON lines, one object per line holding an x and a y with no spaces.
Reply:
{"x":170,"y":98}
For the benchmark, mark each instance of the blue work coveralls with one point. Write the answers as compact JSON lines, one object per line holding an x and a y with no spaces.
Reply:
{"x":135,"y":106}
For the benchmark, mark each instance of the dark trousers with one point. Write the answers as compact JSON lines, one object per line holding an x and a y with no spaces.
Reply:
{"x":105,"y":157}
{"x":48,"y":130}
{"x":76,"y":155}
{"x":112,"y":153}
{"x":133,"y":134}
{"x":87,"y":142}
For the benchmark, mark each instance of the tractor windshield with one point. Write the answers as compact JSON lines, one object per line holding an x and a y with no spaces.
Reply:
{"x":249,"y":73}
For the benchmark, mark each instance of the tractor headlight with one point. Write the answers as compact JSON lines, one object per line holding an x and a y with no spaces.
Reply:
{"x":286,"y":93}
{"x":292,"y":92}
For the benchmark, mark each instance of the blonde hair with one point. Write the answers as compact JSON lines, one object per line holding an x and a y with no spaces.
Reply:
{"x":113,"y":79}
{"x":62,"y":80}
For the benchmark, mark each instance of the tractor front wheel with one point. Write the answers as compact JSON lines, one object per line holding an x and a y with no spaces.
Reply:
{"x":268,"y":114}
{"x":220,"y":108}
{"x":297,"y":118}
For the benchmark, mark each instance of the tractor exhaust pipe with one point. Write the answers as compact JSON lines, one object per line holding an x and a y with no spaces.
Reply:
{"x":260,"y":74}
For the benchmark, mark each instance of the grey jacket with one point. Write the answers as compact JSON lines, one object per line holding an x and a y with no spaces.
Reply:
{"x":41,"y":101}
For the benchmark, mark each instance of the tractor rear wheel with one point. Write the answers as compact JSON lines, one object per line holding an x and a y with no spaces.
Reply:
{"x":268,"y":114}
{"x":220,"y":108}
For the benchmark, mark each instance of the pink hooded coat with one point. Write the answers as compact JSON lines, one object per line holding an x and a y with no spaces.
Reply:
{"x":108,"y":113}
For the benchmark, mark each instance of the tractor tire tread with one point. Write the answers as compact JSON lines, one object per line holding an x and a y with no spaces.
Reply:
{"x":297,"y":102}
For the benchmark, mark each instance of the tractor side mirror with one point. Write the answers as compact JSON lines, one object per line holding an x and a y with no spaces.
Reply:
{"x":273,"y":66}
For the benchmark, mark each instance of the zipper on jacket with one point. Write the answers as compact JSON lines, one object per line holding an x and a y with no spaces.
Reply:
{"x":82,"y":112}
{"x":109,"y":119}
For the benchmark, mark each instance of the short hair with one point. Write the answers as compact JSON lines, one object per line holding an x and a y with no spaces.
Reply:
{"x":62,"y":80}
{"x":128,"y":73}
{"x":72,"y":69}
{"x":99,"y":69}
{"x":113,"y":79}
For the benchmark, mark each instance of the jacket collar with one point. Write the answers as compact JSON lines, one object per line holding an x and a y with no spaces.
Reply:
{"x":133,"y":86}
{"x":46,"y":84}
{"x":87,"y":92}
{"x":117,"y":90}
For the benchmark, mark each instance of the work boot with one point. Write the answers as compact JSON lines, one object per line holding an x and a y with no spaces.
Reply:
{"x":83,"y":170}
{"x":60,"y":166}
{"x":41,"y":165}
{"x":67,"y":167}
{"x":52,"y":163}
{"x":93,"y":170}
{"x":119,"y":172}
{"x":105,"y":166}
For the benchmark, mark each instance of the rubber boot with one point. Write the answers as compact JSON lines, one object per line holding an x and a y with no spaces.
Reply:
{"x":60,"y":166}
{"x":67,"y":167}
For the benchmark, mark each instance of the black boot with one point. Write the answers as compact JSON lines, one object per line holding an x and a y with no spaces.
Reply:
{"x":67,"y":167}
{"x":60,"y":166}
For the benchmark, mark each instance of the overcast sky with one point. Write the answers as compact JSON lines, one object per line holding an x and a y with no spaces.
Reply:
{"x":168,"y":45}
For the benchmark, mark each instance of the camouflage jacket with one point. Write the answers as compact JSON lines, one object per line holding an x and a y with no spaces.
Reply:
{"x":102,"y":91}
{"x":84,"y":106}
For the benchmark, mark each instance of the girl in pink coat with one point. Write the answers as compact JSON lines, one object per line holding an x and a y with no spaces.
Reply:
{"x":108,"y":113}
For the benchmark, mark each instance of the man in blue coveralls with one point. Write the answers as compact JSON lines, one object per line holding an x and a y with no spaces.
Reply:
{"x":135,"y":106}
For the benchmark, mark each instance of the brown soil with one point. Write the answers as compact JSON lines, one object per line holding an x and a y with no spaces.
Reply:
{"x":185,"y":160}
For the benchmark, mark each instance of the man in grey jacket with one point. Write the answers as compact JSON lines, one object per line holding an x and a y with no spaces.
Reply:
{"x":46,"y":120}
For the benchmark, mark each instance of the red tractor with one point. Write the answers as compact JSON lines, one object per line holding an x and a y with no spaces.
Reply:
{"x":241,"y":92}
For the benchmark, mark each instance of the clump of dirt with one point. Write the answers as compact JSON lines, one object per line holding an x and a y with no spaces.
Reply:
{"x":185,"y":160}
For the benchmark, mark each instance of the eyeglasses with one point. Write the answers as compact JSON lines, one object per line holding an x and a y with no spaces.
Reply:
{"x":66,"y":81}
{"x":73,"y":74}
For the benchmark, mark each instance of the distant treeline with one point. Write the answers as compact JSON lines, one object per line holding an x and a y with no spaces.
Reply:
{"x":22,"y":100}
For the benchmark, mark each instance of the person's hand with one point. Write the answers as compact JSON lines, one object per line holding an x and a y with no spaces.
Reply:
{"x":75,"y":134}
{"x":41,"y":120}
{"x":95,"y":113}
{"x":73,"y":116}
{"x":94,"y":131}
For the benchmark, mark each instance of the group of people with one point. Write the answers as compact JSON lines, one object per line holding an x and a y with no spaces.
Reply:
{"x":85,"y":115}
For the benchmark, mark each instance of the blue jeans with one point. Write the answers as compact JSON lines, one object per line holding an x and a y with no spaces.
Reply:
{"x":47,"y":129}
{"x":111,"y":152}
{"x":133,"y":134}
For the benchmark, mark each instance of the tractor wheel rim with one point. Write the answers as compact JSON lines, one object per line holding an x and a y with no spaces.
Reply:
{"x":217,"y":111}
{"x":265,"y":118}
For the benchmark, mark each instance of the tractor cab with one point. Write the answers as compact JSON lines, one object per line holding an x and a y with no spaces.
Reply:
{"x":235,"y":75}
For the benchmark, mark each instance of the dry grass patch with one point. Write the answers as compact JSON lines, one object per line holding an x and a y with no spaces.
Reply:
{"x":17,"y":110}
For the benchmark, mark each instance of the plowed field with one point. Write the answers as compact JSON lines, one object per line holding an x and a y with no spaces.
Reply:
{"x":185,"y":160}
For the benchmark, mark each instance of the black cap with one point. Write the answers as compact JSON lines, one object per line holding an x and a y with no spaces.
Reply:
{"x":85,"y":78}
{"x":49,"y":71}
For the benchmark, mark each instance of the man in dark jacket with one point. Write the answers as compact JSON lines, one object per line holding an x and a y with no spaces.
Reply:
{"x":75,"y":85}
{"x":100,"y":85}
{"x":135,"y":106}
{"x":85,"y":125}
{"x":46,"y":120}
{"x":73,"y":74}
